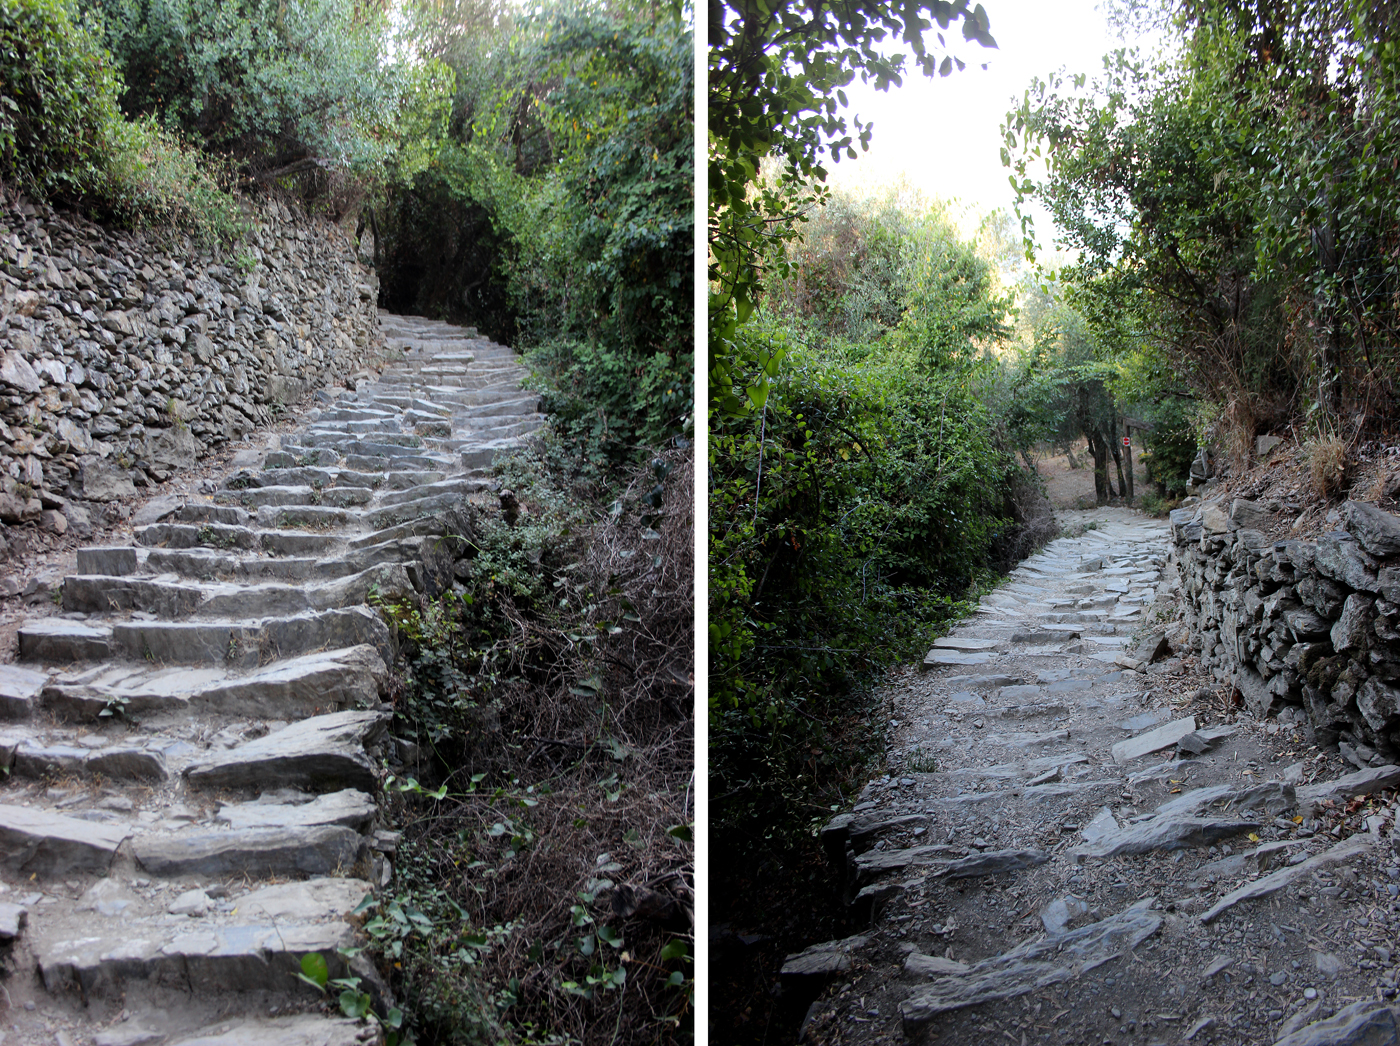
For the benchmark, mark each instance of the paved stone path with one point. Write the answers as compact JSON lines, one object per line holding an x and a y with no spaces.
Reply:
{"x":1061,"y":854}
{"x":197,"y":733}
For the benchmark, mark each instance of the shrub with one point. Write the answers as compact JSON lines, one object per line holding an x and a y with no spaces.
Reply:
{"x":58,"y":100}
{"x":154,"y":179}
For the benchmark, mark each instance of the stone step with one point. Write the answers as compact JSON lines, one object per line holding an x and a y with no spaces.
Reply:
{"x":234,"y":643}
{"x":259,"y":497}
{"x":260,"y":853}
{"x":329,"y":680}
{"x":29,"y":759}
{"x":407,"y":511}
{"x":368,"y":462}
{"x":325,"y":752}
{"x":51,"y":846}
{"x":215,"y":535}
{"x":258,"y":949}
{"x":174,"y":599}
{"x":384,"y":443}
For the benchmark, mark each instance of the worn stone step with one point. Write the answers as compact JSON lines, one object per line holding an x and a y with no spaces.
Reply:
{"x":303,"y":851}
{"x":407,"y":511}
{"x":321,"y":517}
{"x":52,"y":846}
{"x":170,"y":599}
{"x":325,"y":752}
{"x":330,"y":680}
{"x":260,"y":951}
{"x":348,"y":808}
{"x":225,"y":566}
{"x":215,"y":535}
{"x":274,"y":476}
{"x":117,"y":762}
{"x":205,"y":512}
{"x":293,"y":456}
{"x":460,"y":486}
{"x":395,"y":463}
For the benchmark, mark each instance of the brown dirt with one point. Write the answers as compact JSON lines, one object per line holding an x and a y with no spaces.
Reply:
{"x":1070,"y":488}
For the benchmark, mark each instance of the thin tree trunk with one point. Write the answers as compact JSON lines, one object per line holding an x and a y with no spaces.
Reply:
{"x":1117,"y":460}
{"x":1128,"y":453}
{"x":1103,"y":486}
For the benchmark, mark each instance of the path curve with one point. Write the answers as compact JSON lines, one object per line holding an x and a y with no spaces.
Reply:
{"x":1076,"y":846}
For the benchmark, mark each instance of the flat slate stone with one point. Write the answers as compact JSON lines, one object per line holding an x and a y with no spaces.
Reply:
{"x":18,"y":689}
{"x":325,"y":751}
{"x":1363,"y":782}
{"x":964,"y":643}
{"x":1166,"y":833}
{"x":822,"y":959}
{"x":875,"y":862}
{"x":954,"y":657}
{"x":1364,"y":1023}
{"x":992,"y":862}
{"x":12,"y":920}
{"x":259,"y":852}
{"x":1031,"y":966}
{"x":349,"y":678}
{"x":58,"y":639}
{"x":1273,"y":796}
{"x":303,"y":1030}
{"x":348,"y":808}
{"x":53,"y":846}
{"x":1164,"y":736}
{"x":1275,"y":881}
{"x":932,"y":965}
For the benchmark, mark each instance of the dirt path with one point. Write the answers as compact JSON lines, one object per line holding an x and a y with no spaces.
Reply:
{"x":1076,"y":846}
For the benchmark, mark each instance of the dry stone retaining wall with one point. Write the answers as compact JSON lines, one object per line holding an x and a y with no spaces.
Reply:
{"x":127,"y":356}
{"x":1305,"y":629}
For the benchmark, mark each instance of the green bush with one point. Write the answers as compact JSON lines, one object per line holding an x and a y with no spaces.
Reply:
{"x":847,"y":527}
{"x":58,"y":100}
{"x":154,"y":179}
{"x":269,"y":82}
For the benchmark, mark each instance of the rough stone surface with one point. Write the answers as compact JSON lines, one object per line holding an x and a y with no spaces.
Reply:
{"x":323,"y":751}
{"x":203,"y":719}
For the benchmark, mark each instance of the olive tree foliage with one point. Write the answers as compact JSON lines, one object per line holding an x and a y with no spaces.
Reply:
{"x":1235,"y":201}
{"x":777,"y":73}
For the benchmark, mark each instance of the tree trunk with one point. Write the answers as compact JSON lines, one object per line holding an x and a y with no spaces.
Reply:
{"x":1117,"y":460}
{"x":1074,"y":462}
{"x":1103,"y":486}
{"x":1128,"y":453}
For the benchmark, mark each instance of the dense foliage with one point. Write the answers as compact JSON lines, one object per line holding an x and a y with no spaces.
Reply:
{"x":63,"y":136}
{"x":575,"y":163}
{"x":853,"y":512}
{"x":776,"y":78}
{"x":1233,"y":204}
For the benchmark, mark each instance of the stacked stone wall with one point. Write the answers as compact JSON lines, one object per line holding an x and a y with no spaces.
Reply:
{"x":125,"y":357}
{"x":1309,"y":629}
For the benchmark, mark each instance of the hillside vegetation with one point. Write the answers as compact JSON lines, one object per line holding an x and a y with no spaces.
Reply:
{"x":529,"y":172}
{"x":1223,"y":267}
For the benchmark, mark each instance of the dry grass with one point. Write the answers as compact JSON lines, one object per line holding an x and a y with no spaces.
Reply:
{"x":592,"y":745}
{"x":1326,"y":457}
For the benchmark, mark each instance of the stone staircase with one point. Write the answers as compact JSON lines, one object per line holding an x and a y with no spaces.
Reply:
{"x":1077,"y":842}
{"x":195,"y":738}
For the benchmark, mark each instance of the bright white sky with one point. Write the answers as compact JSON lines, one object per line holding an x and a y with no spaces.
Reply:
{"x":942,"y":134}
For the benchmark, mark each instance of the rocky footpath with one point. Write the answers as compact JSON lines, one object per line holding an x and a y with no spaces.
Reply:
{"x":1084,"y":839}
{"x":126,"y":357}
{"x":1307,"y":629}
{"x":196,"y":737}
